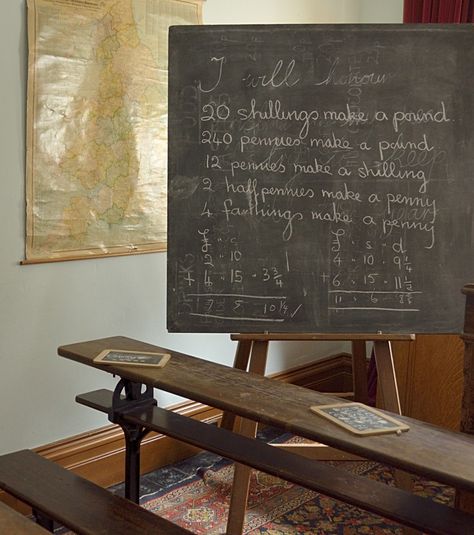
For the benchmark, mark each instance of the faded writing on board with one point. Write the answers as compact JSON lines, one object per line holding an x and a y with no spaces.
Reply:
{"x":319,"y":179}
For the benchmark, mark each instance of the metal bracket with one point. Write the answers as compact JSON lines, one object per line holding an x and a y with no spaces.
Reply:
{"x":128,"y":396}
{"x":133,"y":398}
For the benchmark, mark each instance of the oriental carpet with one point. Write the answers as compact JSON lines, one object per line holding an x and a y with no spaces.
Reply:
{"x":195,"y":494}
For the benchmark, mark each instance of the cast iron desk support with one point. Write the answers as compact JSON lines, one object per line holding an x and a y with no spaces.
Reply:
{"x":128,"y":396}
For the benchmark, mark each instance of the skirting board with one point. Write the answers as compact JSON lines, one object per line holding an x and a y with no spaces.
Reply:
{"x":99,"y":455}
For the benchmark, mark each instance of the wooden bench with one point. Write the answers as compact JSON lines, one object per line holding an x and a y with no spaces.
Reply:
{"x":390,"y":502}
{"x":55,"y":494}
{"x":15,"y":523}
{"x":425,"y":450}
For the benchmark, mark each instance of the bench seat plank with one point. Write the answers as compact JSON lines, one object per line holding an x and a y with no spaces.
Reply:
{"x":426,"y":450}
{"x":391,"y":502}
{"x":75,"y":502}
{"x":12,"y":522}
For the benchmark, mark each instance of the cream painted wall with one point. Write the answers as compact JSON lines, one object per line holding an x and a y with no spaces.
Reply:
{"x":381,"y":11}
{"x":280,"y":11}
{"x":44,"y":306}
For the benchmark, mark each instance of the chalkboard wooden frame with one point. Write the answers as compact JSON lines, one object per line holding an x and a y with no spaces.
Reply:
{"x":383,"y":185}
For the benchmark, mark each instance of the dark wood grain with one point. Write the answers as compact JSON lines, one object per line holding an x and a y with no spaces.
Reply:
{"x":438,"y":454}
{"x":465,"y":500}
{"x":14,"y":523}
{"x":467,"y":411}
{"x":75,"y":502}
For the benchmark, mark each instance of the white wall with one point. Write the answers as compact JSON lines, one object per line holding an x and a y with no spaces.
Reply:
{"x":44,"y":306}
{"x":381,"y":11}
{"x":280,"y":11}
{"x":301,"y":11}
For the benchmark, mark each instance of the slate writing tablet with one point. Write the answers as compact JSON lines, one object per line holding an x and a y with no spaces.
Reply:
{"x":360,"y":419}
{"x":132,"y":358}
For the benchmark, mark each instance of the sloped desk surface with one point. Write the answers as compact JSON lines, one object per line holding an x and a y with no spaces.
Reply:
{"x":445,"y":456}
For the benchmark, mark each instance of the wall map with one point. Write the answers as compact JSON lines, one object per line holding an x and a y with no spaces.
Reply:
{"x":320,"y":178}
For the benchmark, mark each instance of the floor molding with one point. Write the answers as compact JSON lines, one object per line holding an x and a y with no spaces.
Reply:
{"x":99,"y":455}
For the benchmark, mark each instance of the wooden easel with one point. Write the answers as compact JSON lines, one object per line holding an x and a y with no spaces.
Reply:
{"x":251,"y":355}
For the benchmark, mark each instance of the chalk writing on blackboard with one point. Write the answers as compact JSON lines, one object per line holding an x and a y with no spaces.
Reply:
{"x":132,"y":358}
{"x":360,"y":419}
{"x":320,"y":178}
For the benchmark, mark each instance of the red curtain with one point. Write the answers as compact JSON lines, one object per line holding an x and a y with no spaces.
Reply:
{"x":438,"y":11}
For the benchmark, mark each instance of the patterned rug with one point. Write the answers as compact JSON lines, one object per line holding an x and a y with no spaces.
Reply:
{"x":200,"y":502}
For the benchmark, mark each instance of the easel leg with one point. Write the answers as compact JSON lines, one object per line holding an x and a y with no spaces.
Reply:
{"x":241,"y":361}
{"x":240,"y":488}
{"x":359,"y":371}
{"x":387,"y":383}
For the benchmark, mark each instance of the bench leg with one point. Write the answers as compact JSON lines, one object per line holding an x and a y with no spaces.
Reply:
{"x":133,"y":433}
{"x":240,"y":487}
{"x":133,"y":438}
{"x":44,"y":521}
{"x":387,"y":383}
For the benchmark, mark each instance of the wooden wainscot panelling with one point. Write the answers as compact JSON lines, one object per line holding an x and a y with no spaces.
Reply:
{"x":99,"y":455}
{"x":332,"y":374}
{"x":430,"y":378}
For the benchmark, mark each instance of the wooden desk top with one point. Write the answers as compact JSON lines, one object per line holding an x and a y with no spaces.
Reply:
{"x":435,"y":453}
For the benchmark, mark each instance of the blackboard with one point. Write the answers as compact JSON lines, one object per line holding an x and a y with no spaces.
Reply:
{"x":320,"y":178}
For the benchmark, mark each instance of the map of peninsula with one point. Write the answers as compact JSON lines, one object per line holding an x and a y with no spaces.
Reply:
{"x":96,"y":126}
